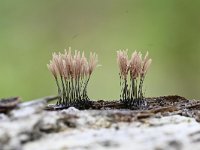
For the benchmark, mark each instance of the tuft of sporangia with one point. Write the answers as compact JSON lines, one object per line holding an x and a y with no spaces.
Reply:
{"x":132,"y":74}
{"x":72,"y":73}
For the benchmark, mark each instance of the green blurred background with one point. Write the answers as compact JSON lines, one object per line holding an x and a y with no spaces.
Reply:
{"x":31,"y":30}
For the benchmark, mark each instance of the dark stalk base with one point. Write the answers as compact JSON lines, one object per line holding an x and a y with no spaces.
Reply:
{"x":135,"y":104}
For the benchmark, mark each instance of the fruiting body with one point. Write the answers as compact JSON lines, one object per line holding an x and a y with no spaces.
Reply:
{"x":72,"y":73}
{"x":132,"y":75}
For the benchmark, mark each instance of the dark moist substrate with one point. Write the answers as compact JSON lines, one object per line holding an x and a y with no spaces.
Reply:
{"x":164,"y":105}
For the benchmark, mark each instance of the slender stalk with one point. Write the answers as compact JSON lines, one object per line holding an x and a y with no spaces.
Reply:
{"x":64,"y":91}
{"x":120,"y":83}
{"x":132,"y":89}
{"x":72,"y":90}
{"x":59,"y":91}
{"x":85,"y":88}
{"x":140,"y":91}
